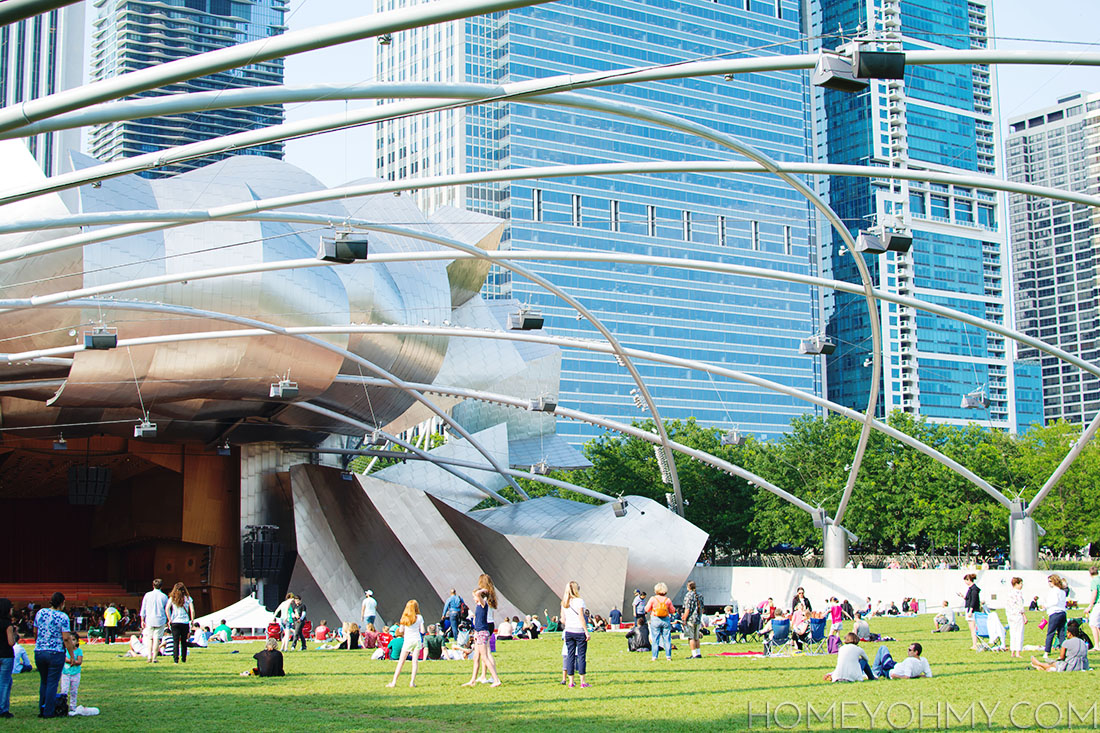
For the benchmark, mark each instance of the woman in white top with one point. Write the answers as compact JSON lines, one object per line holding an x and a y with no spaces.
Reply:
{"x":576,"y":632}
{"x":180,"y":611}
{"x":412,"y":630}
{"x":852,"y":664}
{"x":1014,"y":611}
{"x":1056,"y":612}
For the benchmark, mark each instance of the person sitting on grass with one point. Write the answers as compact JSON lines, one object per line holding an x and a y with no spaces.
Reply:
{"x":913,"y":666}
{"x":321,"y":632}
{"x":944,"y":620}
{"x":351,"y":638}
{"x":222,"y":633}
{"x":433,"y":642}
{"x":852,"y":664}
{"x":553,"y":625}
{"x":393,"y":648}
{"x":1072,"y":657}
{"x":269,"y":662}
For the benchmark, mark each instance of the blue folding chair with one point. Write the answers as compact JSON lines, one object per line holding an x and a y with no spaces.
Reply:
{"x":728,"y":631}
{"x":981,"y":628}
{"x":779,"y":644}
{"x":818,"y":638}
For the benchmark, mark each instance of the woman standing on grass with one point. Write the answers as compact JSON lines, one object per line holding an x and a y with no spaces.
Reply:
{"x":660,"y":610}
{"x":972,"y":603}
{"x":485,"y":599}
{"x":8,"y":639}
{"x":576,"y":633}
{"x":180,"y":610}
{"x":1014,"y":612}
{"x":1056,"y":612}
{"x":412,"y":632}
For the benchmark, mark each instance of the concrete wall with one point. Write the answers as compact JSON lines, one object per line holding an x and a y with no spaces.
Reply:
{"x":750,"y":585}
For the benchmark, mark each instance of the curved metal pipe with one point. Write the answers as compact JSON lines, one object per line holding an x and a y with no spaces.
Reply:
{"x":189,"y":216}
{"x":1067,"y":461}
{"x":320,"y":410}
{"x":266,"y":49}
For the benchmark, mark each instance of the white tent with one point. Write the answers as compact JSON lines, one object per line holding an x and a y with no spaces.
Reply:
{"x":246,"y":614}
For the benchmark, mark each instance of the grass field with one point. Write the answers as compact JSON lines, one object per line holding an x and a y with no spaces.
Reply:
{"x":339,"y":690}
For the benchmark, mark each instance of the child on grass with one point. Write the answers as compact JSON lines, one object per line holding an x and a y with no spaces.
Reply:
{"x":412,"y":633}
{"x":70,"y":679}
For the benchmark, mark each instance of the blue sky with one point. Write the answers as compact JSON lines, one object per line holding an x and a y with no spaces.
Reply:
{"x":340,"y":156}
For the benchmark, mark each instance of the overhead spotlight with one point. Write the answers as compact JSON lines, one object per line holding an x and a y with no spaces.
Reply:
{"x":545,"y":403}
{"x":385,"y":39}
{"x":224,"y":449}
{"x":893,"y":233}
{"x":733,"y":437}
{"x":662,"y":464}
{"x":868,"y":361}
{"x":619,"y":507}
{"x":347,"y":476}
{"x":873,"y":64}
{"x":819,"y":343}
{"x":819,"y":518}
{"x":284,"y":389}
{"x":60,"y":443}
{"x":834,"y":71}
{"x":542,"y":468}
{"x":525,"y":318}
{"x":976,"y":400}
{"x":376,"y":438}
{"x":100,"y":338}
{"x":345,"y":247}
{"x":728,"y":77}
{"x":145,"y":429}
{"x":869,"y":242}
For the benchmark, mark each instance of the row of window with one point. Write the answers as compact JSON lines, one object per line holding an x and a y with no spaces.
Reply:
{"x":690,"y":222}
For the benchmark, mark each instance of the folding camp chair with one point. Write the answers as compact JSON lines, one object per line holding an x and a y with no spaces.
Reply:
{"x":748,"y":628}
{"x":981,"y":628}
{"x":728,"y":632}
{"x":780,"y":643}
{"x":818,"y":637}
{"x":997,"y":638}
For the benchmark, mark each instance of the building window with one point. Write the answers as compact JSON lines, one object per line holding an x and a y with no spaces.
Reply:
{"x":756,"y":235}
{"x":686,"y":219}
{"x":722,"y":231}
{"x":536,"y":204}
{"x":788,"y":245}
{"x":576,"y":209}
{"x":651,"y":220}
{"x":613,"y":212}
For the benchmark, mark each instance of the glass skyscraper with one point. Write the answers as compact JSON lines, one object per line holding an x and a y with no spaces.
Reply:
{"x":130,"y":35}
{"x":1056,"y":247}
{"x":39,"y":56}
{"x":939,"y":118}
{"x":743,"y":323}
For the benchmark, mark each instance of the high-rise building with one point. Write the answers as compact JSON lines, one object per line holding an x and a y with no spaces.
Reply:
{"x":128,"y":36}
{"x":1056,"y":247}
{"x":941,"y":119}
{"x":39,"y":56}
{"x":742,"y":323}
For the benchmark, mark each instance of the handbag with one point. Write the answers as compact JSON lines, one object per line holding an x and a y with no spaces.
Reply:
{"x":1042,"y":624}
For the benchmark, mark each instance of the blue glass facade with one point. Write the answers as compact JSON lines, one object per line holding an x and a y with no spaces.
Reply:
{"x":738,"y":322}
{"x":133,"y":35}
{"x":939,"y":119}
{"x":742,"y":323}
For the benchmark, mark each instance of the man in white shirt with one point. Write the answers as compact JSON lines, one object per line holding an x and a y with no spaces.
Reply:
{"x":153,"y":618}
{"x":369,"y":609}
{"x":912,"y":666}
{"x":852,"y":664}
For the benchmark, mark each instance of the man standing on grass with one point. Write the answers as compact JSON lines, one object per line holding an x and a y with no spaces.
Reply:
{"x":1093,"y":610}
{"x":452,"y":610}
{"x":111,"y":617}
{"x":153,"y":618}
{"x":639,"y":605}
{"x":692,"y":619}
{"x":369,"y":609}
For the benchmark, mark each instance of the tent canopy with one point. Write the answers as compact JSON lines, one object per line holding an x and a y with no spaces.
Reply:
{"x":247,"y":613}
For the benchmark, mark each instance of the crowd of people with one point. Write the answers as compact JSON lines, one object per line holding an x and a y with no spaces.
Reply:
{"x":168,"y":627}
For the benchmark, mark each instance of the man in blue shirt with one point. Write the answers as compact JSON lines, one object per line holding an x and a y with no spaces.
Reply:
{"x":616,"y":616}
{"x":153,"y":618}
{"x":452,"y":610}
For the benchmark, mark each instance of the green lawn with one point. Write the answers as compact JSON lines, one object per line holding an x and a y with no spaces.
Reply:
{"x":334,"y":690}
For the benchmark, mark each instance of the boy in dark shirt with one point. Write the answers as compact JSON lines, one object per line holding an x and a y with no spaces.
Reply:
{"x":433,"y":642}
